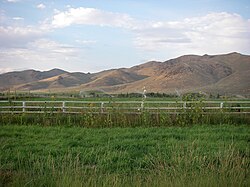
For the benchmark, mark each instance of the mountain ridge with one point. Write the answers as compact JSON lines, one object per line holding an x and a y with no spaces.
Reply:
{"x":226,"y":73}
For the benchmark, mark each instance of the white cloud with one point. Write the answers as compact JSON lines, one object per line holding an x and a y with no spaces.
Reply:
{"x":86,"y":42}
{"x":42,"y":54}
{"x":12,"y":1}
{"x":49,"y":46}
{"x":213,"y":33}
{"x":56,"y":11}
{"x":17,"y":18}
{"x":91,"y":16}
{"x":18,"y":36}
{"x":41,"y":6}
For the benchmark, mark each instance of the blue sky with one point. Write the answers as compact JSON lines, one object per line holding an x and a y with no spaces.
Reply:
{"x":94,"y":35}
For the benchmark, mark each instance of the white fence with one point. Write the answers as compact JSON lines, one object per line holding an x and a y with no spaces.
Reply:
{"x":123,"y":106}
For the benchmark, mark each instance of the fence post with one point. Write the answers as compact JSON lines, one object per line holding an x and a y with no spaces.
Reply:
{"x":221,"y":105}
{"x":185,"y":105}
{"x":24,"y":104}
{"x":63,"y":107}
{"x":142,"y":105}
{"x":102,"y":107}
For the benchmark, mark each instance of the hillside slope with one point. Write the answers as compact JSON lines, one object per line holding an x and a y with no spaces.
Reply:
{"x":11,"y":79}
{"x":228,"y":73}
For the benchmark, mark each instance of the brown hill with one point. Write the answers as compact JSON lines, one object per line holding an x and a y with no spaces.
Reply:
{"x":229,"y":73}
{"x":11,"y":79}
{"x":185,"y":73}
{"x":113,"y":77}
{"x":64,"y":80}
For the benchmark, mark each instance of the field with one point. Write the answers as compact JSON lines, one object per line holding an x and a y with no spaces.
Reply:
{"x":188,"y":147}
{"x":216,"y":155}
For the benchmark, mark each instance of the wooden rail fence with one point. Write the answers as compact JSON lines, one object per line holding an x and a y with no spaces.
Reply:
{"x":123,"y":106}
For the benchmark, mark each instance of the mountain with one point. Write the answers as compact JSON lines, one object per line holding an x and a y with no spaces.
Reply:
{"x":8,"y":80}
{"x":63,"y":80}
{"x":228,"y":73}
{"x":183,"y":73}
{"x":113,"y":77}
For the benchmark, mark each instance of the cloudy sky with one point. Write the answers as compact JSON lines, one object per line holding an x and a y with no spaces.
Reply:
{"x":93,"y":35}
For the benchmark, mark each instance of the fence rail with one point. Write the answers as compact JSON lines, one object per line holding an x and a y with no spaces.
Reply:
{"x":123,"y":106}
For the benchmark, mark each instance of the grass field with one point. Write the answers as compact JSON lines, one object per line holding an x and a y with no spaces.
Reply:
{"x":200,"y":155}
{"x":120,"y":149}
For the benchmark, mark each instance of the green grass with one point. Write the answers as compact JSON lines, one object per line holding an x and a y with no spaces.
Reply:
{"x":120,"y":119}
{"x":204,"y":155}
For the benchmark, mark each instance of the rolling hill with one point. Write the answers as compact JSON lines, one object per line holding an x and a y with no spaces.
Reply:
{"x":228,"y":73}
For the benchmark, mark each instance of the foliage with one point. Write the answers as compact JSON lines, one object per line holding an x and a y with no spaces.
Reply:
{"x":116,"y":118}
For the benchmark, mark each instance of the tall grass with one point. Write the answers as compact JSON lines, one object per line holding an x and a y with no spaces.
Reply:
{"x":174,"y":156}
{"x":228,"y":168}
{"x":119,"y":119}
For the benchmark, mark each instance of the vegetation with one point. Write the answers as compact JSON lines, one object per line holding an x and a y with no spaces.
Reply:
{"x":113,"y":148}
{"x":201,"y":155}
{"x":99,"y":95}
{"x":116,"y":119}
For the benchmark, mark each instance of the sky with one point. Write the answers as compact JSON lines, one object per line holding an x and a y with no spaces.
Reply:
{"x":95,"y":35}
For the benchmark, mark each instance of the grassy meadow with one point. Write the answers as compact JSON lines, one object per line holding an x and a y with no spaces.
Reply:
{"x":200,"y":155}
{"x":185,"y":148}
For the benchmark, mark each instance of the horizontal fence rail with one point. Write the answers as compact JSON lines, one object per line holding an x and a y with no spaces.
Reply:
{"x":123,"y":106}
